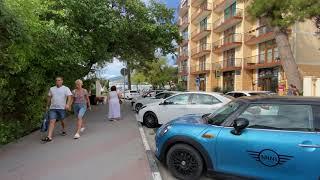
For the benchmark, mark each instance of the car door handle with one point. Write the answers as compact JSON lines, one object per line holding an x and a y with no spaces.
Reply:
{"x":309,"y":145}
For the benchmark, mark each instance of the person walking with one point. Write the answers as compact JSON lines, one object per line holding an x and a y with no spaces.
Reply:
{"x":293,"y":91}
{"x":114,"y":104}
{"x":59,"y":100}
{"x":80,"y":104}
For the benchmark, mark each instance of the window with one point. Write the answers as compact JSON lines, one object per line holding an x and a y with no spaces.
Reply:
{"x":230,"y":11}
{"x":316,"y":113}
{"x":204,"y":99}
{"x":220,"y":115}
{"x":180,"y":99}
{"x":237,"y":95}
{"x":258,"y":94}
{"x":160,"y":96}
{"x":280,"y":117}
{"x":204,"y":24}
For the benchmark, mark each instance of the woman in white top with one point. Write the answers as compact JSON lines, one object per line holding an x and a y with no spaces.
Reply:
{"x":114,"y":104}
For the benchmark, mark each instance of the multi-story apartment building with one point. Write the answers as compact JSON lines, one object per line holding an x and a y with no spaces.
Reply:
{"x":223,"y":48}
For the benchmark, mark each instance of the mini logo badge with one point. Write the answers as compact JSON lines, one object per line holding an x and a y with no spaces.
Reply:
{"x":269,"y":157}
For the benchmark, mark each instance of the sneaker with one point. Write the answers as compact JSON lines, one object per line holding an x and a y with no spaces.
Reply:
{"x":76,"y":136}
{"x":82,"y":129}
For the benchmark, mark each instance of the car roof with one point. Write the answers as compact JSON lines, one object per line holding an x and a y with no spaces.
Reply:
{"x":251,"y":91}
{"x":280,"y":99}
{"x":200,"y":92}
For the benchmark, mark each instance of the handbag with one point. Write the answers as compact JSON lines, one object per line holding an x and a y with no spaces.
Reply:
{"x":45,"y":123}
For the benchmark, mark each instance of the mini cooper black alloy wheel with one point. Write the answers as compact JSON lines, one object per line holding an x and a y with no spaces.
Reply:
{"x":184,"y":162}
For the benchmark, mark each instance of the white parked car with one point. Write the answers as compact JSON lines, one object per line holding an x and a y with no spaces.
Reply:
{"x":237,"y":94}
{"x":148,"y":94}
{"x":157,"y":98}
{"x":151,"y":115}
{"x":130,"y":94}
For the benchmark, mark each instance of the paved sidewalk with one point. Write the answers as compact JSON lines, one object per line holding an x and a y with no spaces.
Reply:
{"x":106,"y":150}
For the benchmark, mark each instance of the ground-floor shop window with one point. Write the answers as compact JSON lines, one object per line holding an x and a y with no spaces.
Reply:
{"x":228,"y":81}
{"x":268,"y":79}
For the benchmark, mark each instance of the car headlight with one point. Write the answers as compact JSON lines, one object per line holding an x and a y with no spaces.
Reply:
{"x":165,"y":129}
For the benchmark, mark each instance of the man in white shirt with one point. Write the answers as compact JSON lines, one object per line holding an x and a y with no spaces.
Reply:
{"x":59,"y":100}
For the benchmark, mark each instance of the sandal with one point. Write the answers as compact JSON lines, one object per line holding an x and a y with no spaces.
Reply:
{"x":46,"y":139}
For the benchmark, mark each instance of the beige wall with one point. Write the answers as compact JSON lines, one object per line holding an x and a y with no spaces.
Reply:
{"x":305,"y":46}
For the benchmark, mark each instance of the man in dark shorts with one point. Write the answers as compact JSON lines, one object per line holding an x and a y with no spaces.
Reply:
{"x":57,"y":100}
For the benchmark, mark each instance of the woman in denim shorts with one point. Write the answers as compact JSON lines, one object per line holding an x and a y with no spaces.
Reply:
{"x":80,"y":104}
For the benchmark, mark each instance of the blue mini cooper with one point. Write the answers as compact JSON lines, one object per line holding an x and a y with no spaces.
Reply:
{"x":251,"y":137}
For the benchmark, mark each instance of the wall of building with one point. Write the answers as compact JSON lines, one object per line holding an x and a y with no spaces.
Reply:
{"x":305,"y":46}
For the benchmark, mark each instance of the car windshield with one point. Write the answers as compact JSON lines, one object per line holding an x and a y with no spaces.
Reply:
{"x":220,"y":115}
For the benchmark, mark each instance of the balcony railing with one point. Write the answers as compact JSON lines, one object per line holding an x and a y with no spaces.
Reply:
{"x":202,"y":31}
{"x":201,"y":68}
{"x":197,"y":3}
{"x":201,"y":50}
{"x":228,"y":42}
{"x":220,"y":5}
{"x":229,"y":64}
{"x":203,"y":11}
{"x":259,"y":35}
{"x":183,"y":7}
{"x":225,"y":22}
{"x":263,"y":60}
{"x":183,"y":70}
{"x":184,"y":23}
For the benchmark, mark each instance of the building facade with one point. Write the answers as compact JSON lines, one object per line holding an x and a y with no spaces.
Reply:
{"x":223,"y":49}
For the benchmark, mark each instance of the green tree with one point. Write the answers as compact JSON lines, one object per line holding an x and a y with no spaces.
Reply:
{"x":138,"y":78}
{"x":281,"y":15}
{"x":158,"y":73}
{"x":40,"y":39}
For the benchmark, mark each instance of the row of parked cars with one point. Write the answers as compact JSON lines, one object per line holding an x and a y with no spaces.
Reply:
{"x":254,"y":135}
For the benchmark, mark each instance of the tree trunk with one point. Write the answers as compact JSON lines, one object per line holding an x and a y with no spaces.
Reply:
{"x":287,"y":59}
{"x":129,"y":78}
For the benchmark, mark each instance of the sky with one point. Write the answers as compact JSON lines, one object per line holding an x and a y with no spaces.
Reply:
{"x":113,"y":69}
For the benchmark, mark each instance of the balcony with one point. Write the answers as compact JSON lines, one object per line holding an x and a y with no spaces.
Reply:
{"x":201,"y":32}
{"x":227,"y":43}
{"x":226,"y":22}
{"x":201,"y":50}
{"x":183,"y":7}
{"x":182,"y":56}
{"x":183,"y":71}
{"x":197,"y":3}
{"x":184,"y":23}
{"x":266,"y":60}
{"x":200,"y":69}
{"x":203,"y":11}
{"x":220,"y":5}
{"x":259,"y":35}
{"x":184,"y":42}
{"x":230,"y":64}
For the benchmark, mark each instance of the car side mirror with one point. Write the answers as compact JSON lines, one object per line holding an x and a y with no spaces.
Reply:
{"x":239,"y":125}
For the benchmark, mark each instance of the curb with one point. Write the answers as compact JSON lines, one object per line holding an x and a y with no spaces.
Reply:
{"x":152,"y":163}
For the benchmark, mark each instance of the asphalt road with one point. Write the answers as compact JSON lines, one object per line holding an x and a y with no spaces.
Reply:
{"x":107,"y":150}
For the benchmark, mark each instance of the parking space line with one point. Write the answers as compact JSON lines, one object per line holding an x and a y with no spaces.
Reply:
{"x":152,"y":163}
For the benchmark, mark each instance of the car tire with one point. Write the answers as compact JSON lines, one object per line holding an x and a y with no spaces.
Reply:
{"x":150,"y":120}
{"x":138,"y":106}
{"x":184,"y":162}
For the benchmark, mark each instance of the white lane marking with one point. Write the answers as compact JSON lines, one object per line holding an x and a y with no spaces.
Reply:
{"x":144,"y":139}
{"x":156,"y":176}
